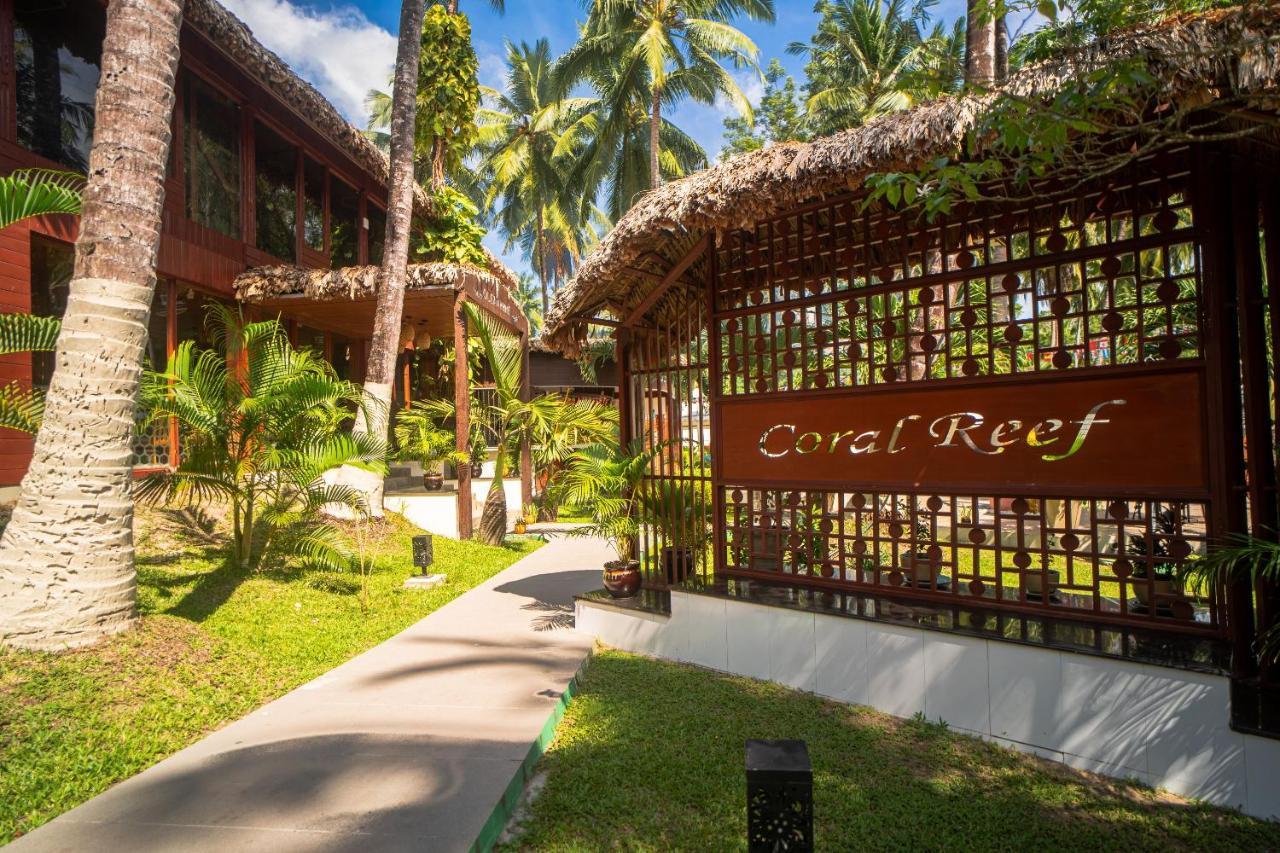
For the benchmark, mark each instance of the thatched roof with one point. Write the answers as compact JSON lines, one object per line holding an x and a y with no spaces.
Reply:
{"x":229,"y":34}
{"x":1194,"y":59}
{"x":262,"y":284}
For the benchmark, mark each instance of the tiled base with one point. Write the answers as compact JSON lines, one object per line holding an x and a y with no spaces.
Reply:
{"x":1163,"y":726}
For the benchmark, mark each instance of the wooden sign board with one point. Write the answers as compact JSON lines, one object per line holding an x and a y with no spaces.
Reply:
{"x":1096,"y":435}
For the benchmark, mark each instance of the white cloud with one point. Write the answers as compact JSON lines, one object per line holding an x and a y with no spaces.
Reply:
{"x":751,"y":85}
{"x":339,"y":50}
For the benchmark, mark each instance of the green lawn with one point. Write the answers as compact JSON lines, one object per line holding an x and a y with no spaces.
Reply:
{"x":214,"y":644}
{"x":649,"y":757}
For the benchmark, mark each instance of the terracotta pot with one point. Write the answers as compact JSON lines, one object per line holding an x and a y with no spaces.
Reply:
{"x":1033,"y":581}
{"x":521,"y":527}
{"x":433,"y":482}
{"x":622,"y":578}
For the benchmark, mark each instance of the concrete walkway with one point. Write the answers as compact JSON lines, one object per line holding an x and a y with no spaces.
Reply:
{"x":408,"y":747}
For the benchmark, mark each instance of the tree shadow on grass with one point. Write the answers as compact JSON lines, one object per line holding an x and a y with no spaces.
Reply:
{"x":212,"y":590}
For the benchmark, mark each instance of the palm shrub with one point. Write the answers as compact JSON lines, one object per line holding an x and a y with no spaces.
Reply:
{"x":1242,"y":559}
{"x":261,"y":423}
{"x":509,"y":421}
{"x":22,"y":409}
{"x":606,"y":479}
{"x":421,"y":438}
{"x":24,"y":194}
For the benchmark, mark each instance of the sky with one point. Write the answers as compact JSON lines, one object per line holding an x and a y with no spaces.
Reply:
{"x":346,"y":47}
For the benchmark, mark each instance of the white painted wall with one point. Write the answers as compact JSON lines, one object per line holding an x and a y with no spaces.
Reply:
{"x":1165,"y":727}
{"x":438,"y":512}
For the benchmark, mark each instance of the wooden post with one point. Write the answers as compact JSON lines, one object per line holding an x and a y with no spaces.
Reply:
{"x":462,"y":417}
{"x":1214,"y":220}
{"x":526,"y":452}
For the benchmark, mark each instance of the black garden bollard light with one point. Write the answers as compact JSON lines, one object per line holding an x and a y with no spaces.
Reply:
{"x":423,"y":552}
{"x":779,"y":796}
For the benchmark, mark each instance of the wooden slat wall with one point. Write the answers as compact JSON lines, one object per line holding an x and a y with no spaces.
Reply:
{"x":189,"y":253}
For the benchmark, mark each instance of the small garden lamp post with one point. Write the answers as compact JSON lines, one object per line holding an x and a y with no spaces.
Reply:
{"x":423,"y":557}
{"x":423,"y":552}
{"x":779,"y":796}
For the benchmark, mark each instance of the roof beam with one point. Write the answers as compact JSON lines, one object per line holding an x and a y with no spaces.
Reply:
{"x":673,"y":275}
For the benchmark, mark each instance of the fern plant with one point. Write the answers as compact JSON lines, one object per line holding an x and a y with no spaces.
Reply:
{"x":24,"y":194}
{"x":261,"y":424}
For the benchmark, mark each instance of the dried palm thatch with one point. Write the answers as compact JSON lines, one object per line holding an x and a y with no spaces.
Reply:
{"x":229,"y":34}
{"x":1193,"y":60}
{"x":261,"y":284}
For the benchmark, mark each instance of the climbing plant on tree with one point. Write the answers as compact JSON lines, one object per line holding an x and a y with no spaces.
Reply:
{"x":448,"y":91}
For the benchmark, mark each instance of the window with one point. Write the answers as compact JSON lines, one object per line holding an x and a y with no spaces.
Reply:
{"x":344,"y":225}
{"x":276,"y":195}
{"x":192,"y":307}
{"x":341,"y":357}
{"x":312,"y":339}
{"x":57,"y":54}
{"x":212,"y":160}
{"x":51,"y":265}
{"x":377,"y":234}
{"x":313,"y":205}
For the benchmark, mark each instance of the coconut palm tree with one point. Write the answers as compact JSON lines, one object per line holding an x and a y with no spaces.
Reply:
{"x":866,"y":58}
{"x":672,"y":48}
{"x":528,"y":185}
{"x":389,"y":311}
{"x":67,"y":576}
{"x":611,"y":145}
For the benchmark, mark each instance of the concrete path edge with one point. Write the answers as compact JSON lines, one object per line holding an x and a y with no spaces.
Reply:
{"x":506,"y":805}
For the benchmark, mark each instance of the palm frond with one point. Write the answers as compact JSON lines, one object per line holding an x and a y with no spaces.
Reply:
{"x":26,"y":193}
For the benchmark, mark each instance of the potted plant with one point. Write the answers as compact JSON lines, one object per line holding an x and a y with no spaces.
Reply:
{"x":1162,"y":583}
{"x":528,"y":515}
{"x":605,"y":479}
{"x":479,"y":453}
{"x":917,"y":565}
{"x":683,"y":510}
{"x":421,"y":440}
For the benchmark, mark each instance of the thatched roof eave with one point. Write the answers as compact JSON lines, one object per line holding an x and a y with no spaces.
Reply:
{"x":1194,"y":60}
{"x":233,"y":38}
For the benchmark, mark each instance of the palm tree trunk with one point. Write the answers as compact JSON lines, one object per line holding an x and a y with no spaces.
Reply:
{"x":542,"y":264}
{"x":980,"y":46}
{"x":437,"y":163}
{"x":389,"y":312}
{"x":655,"y":124}
{"x":67,"y":576}
{"x":493,"y":518}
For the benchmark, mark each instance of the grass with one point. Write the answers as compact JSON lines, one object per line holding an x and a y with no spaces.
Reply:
{"x":649,"y":756}
{"x":213,"y":643}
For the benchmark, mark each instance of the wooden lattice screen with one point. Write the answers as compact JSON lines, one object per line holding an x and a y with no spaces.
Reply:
{"x":1030,"y":406}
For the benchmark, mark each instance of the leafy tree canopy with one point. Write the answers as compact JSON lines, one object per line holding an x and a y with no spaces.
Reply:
{"x":778,"y":118}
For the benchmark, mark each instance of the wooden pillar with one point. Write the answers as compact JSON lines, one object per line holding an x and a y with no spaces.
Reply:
{"x":1214,"y":221}
{"x":526,"y":452}
{"x":622,"y":347}
{"x":462,"y":417}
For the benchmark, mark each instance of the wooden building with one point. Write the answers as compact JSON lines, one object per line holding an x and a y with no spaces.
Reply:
{"x":265,"y":177}
{"x":1013,"y":423}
